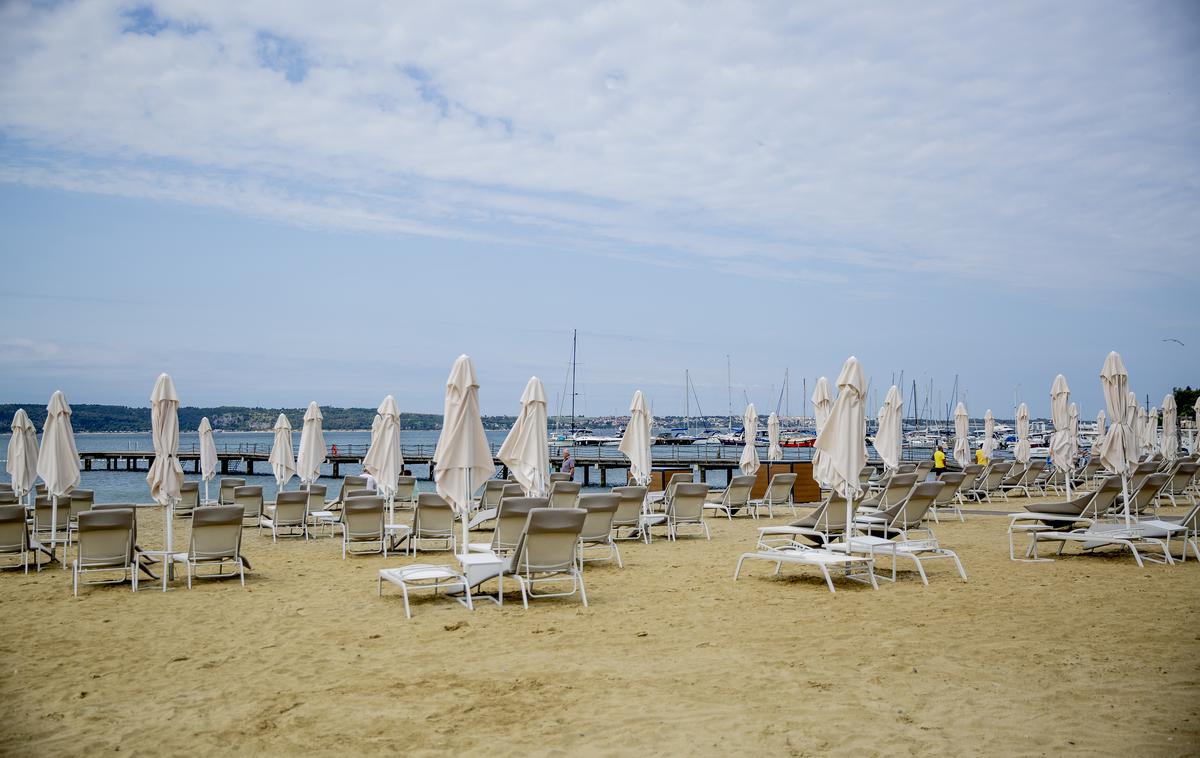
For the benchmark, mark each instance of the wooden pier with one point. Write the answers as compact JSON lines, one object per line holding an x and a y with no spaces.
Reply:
{"x":594,"y":464}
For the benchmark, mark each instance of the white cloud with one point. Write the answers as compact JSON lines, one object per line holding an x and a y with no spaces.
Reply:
{"x":825,"y":142}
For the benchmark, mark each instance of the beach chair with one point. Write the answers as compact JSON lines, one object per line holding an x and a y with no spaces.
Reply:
{"x":406,"y":493}
{"x":490,"y":497}
{"x":1029,"y":481}
{"x":215,"y":541}
{"x":350,"y":483}
{"x":630,"y":508}
{"x":511,"y":516}
{"x":483,"y":515}
{"x":250,"y":498}
{"x":779,"y":493}
{"x":679,"y":477}
{"x":43,"y":534}
{"x":1180,"y":484}
{"x":903,"y":517}
{"x":1089,"y":474}
{"x":1079,"y":512}
{"x":597,"y":532}
{"x":1110,"y":534}
{"x":897,"y":489}
{"x":105,"y":545}
{"x":687,"y":510}
{"x":564,"y":494}
{"x":948,"y":498}
{"x":820,"y":527}
{"x":1145,"y":499}
{"x":547,"y":553}
{"x":989,"y":481}
{"x":972,"y":473}
{"x":291,"y":513}
{"x":1186,"y":528}
{"x":225,"y":489}
{"x":316,"y":497}
{"x":855,"y":567}
{"x":733,"y":498}
{"x":189,"y":498}
{"x":14,"y":533}
{"x":78,"y":502}
{"x":433,"y":521}
{"x":923,"y":470}
{"x":8,"y":497}
{"x":560,"y":476}
{"x":362,"y":524}
{"x":425,"y":576}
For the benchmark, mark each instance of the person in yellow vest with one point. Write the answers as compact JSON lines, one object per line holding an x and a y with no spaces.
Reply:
{"x":980,"y":458}
{"x":939,"y":461}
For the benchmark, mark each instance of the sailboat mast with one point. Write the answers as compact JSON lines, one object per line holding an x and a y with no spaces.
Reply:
{"x":729,"y":387}
{"x":574,"y":344}
{"x":687,"y":400}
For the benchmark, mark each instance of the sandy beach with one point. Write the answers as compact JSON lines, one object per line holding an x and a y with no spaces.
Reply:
{"x":1088,"y":654}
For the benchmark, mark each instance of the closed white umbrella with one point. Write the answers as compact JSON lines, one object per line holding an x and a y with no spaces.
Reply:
{"x":889,"y":434}
{"x":635,"y":443}
{"x":464,"y":458}
{"x":526,"y":449}
{"x":1131,"y":414}
{"x":1152,"y":431}
{"x":384,"y":460}
{"x":283,"y":462}
{"x":22,"y":454}
{"x":311,"y":455}
{"x":1062,"y":447}
{"x":1101,"y":417}
{"x":842,"y":441}
{"x":166,"y":475}
{"x":774,"y":451}
{"x":58,"y":458}
{"x":1119,"y":449}
{"x":1022,"y":451}
{"x":962,"y":434}
{"x":1170,"y":428}
{"x":208,"y":454}
{"x":1073,"y":425}
{"x":748,"y":463}
{"x":1196,"y":427}
{"x":822,"y":401}
{"x":989,"y":434}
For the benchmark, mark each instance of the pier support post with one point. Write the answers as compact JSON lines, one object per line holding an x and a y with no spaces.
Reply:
{"x":87,"y":464}
{"x":249,"y":467}
{"x":224,"y":466}
{"x":336,"y":467}
{"x":587,"y":469}
{"x":603,"y":477}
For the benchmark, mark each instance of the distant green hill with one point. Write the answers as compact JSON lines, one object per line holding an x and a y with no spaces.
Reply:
{"x":121,"y":418}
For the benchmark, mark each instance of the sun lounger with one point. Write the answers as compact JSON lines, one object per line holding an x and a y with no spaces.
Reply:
{"x":950,"y":496}
{"x":291,"y":513}
{"x":433,"y":521}
{"x":686,"y":509}
{"x":362,"y":524}
{"x":597,"y":532}
{"x":897,"y":489}
{"x":14,"y":534}
{"x":821,"y":526}
{"x":903,"y":517}
{"x":424,"y":576}
{"x":1026,"y":480}
{"x":630,"y":508}
{"x":105,"y":545}
{"x":225,"y":489}
{"x":547,"y":553}
{"x":510,"y":523}
{"x":250,"y":498}
{"x":1080,"y":512}
{"x":849,"y":566}
{"x":1178,"y":488}
{"x":1100,"y":534}
{"x":560,"y":476}
{"x":189,"y":498}
{"x":216,"y":541}
{"x":779,"y":493}
{"x":989,"y":482}
{"x":734,"y":498}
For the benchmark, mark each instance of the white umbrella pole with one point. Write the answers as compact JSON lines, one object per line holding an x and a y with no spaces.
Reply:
{"x":849,"y":515}
{"x":1125,"y":493}
{"x":170,"y":532}
{"x":466,"y":515}
{"x":54,"y":530}
{"x":206,"y":491}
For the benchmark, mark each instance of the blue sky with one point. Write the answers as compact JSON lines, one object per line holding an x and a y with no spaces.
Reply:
{"x":285,"y":202}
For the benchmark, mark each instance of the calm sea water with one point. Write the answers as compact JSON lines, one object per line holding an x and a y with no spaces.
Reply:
{"x":130,"y":486}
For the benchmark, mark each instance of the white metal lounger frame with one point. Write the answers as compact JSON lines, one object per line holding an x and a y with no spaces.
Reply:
{"x":425,"y":576}
{"x":809,"y":556}
{"x":917,"y":550}
{"x":1103,"y":535}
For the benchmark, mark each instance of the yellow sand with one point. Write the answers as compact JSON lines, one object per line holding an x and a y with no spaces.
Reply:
{"x":1088,"y":654}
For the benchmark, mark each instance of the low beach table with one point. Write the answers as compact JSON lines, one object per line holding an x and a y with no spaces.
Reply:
{"x":425,"y":576}
{"x":395,"y":534}
{"x":917,"y":550}
{"x":479,"y":567}
{"x":860,"y":568}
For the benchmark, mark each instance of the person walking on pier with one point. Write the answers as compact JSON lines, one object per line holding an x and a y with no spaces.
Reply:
{"x":939,"y":461}
{"x":568,"y":464}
